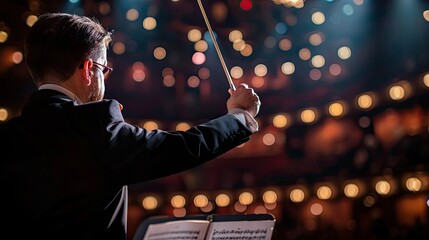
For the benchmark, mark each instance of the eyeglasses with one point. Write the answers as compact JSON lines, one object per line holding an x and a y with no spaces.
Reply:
{"x":106,"y":70}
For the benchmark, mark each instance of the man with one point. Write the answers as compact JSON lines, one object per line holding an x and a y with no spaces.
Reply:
{"x":67,"y":160}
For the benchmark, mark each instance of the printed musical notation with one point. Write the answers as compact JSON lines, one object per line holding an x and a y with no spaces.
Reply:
{"x":210,"y":230}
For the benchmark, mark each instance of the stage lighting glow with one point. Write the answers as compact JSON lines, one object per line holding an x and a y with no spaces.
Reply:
{"x":239,"y":45}
{"x":426,"y":15}
{"x":201,"y":46}
{"x":3,"y":114}
{"x":336,"y":109}
{"x":3,"y":36}
{"x":268,"y":139}
{"x":383,"y":187}
{"x":426,"y":79}
{"x":308,"y":116}
{"x":324,"y":192}
{"x":318,"y":61}
{"x":245,"y":198}
{"x":285,"y":44}
{"x":258,"y":82}
{"x":344,"y":52}
{"x":31,"y":19}
{"x":335,"y":69}
{"x":316,"y":209}
{"x":365,"y":101}
{"x":149,"y":23}
{"x":280,"y":121}
{"x":304,"y":54}
{"x":204,"y":73}
{"x":235,"y":35}
{"x":247,"y":51}
{"x":169,"y":81}
{"x":237,"y":72}
{"x":269,"y":196}
{"x":150,"y":125}
{"x":150,"y":203}
{"x":222,"y":200}
{"x":159,"y":53}
{"x":178,"y":201}
{"x":193,"y":81}
{"x":397,"y":92}
{"x":132,"y":14}
{"x":297,"y":195}
{"x":118,"y":48}
{"x":183,"y":126}
{"x":260,"y":70}
{"x":17,"y":57}
{"x":198,"y":58}
{"x":316,"y":39}
{"x":348,"y":9}
{"x":288,"y":68}
{"x":281,"y":28}
{"x":315,"y":74}
{"x":351,"y":190}
{"x":413,"y":184}
{"x":201,"y":201}
{"x":318,"y":18}
{"x":194,"y":35}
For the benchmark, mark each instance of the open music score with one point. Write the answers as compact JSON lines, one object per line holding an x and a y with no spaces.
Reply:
{"x":211,"y":229}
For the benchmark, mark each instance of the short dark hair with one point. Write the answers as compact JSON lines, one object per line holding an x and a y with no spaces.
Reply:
{"x":59,"y":42}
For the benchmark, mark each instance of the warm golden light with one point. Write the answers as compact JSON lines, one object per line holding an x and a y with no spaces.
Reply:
{"x":235,"y":35}
{"x":268,"y":139}
{"x":149,"y":23}
{"x":150,"y":125}
{"x":324,"y":192}
{"x":316,"y":39}
{"x":132,"y":14}
{"x":280,"y":121}
{"x":201,"y":201}
{"x":344,"y":52}
{"x":159,"y":53}
{"x":237,"y":72}
{"x":318,"y":18}
{"x":31,"y":20}
{"x":365,"y":101}
{"x":239,"y":45}
{"x":351,"y":190}
{"x":426,"y":15}
{"x":247,"y":51}
{"x":297,"y":195}
{"x":222,"y":200}
{"x":425,"y":79}
{"x":178,"y":201}
{"x":318,"y":61}
{"x":149,"y":203}
{"x":118,"y":48}
{"x":308,"y":116}
{"x":304,"y":54}
{"x":413,"y":184}
{"x":194,"y":35}
{"x":17,"y":57}
{"x":201,"y":46}
{"x":269,"y":196}
{"x":3,"y":36}
{"x":383,"y":187}
{"x":245,"y":198}
{"x":288,"y":68}
{"x":182,"y":126}
{"x":397,"y":92}
{"x":336,"y":109}
{"x":285,"y":44}
{"x":3,"y":114}
{"x":260,"y":70}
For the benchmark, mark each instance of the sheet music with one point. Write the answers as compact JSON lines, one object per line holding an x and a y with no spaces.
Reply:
{"x":241,"y":230}
{"x":180,"y":230}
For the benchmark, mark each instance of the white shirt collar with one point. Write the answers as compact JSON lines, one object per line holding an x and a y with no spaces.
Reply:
{"x":61,"y":89}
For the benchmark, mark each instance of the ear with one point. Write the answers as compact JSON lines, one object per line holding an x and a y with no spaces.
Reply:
{"x":87,"y":65}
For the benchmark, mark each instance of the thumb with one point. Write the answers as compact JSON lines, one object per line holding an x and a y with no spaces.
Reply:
{"x":230,"y":91}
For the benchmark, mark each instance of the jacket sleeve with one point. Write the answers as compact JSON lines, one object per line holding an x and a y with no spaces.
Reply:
{"x":136,"y":154}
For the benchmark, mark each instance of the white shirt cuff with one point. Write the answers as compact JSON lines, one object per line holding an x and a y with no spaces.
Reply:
{"x":245,"y":118}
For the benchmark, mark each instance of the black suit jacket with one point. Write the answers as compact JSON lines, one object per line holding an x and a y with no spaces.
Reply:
{"x":65,"y":167}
